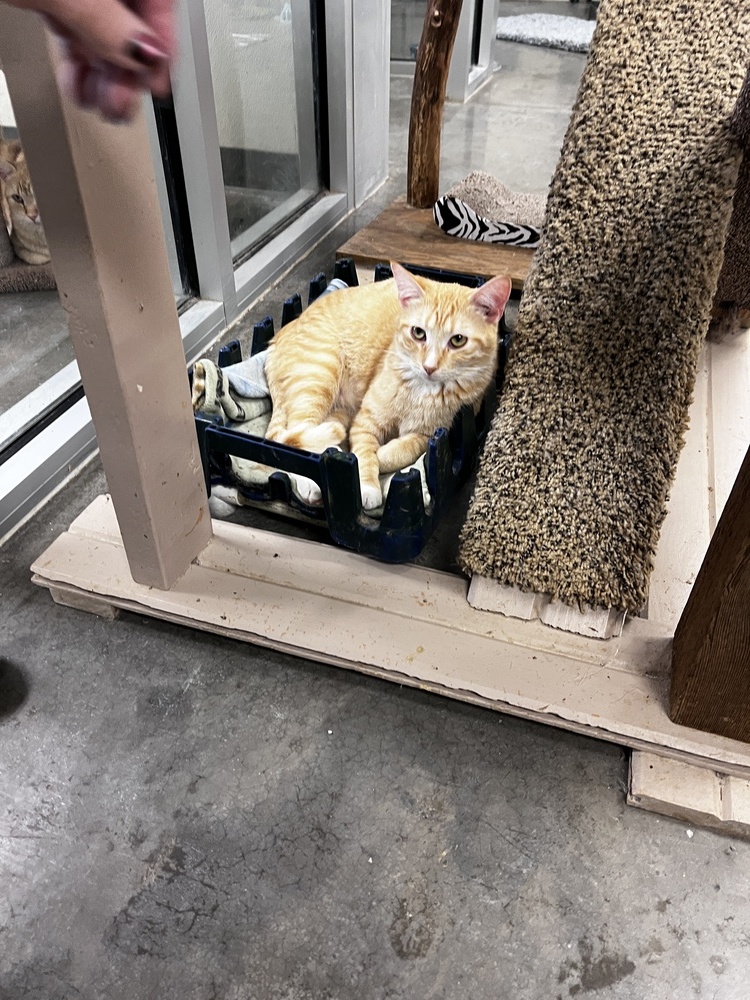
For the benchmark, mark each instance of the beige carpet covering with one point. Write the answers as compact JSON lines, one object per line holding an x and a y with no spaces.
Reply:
{"x":576,"y":470}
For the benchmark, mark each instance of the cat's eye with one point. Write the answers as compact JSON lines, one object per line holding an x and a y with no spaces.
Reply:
{"x":457,"y":340}
{"x":418,"y":333}
{"x":18,"y":198}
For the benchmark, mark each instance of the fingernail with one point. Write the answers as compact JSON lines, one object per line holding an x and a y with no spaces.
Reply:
{"x":144,"y":49}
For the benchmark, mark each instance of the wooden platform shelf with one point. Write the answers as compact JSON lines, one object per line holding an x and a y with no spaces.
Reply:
{"x":411,"y":236}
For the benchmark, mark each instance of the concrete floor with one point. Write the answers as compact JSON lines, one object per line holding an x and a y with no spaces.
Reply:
{"x":188,"y":817}
{"x":34,"y":343}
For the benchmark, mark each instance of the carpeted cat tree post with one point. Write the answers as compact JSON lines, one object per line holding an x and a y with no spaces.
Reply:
{"x":733,"y":291}
{"x":575,"y":473}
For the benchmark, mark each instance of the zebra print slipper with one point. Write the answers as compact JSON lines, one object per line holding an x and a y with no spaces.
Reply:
{"x":456,"y":218}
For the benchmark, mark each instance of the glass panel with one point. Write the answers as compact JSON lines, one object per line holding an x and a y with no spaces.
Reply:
{"x":407,"y":19}
{"x":262,"y":71}
{"x":170,"y":186}
{"x":34,"y":341}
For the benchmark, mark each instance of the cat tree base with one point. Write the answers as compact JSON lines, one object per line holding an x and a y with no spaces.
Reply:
{"x":329,"y":605}
{"x":415,"y":626}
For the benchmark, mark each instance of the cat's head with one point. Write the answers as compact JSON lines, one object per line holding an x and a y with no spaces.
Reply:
{"x":447,"y":336}
{"x":16,"y":183}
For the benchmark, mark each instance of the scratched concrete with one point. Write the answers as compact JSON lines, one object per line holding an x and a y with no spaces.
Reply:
{"x":187,"y":817}
{"x":183,"y":816}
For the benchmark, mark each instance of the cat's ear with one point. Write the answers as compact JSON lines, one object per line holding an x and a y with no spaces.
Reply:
{"x":409,"y":290}
{"x":491,"y":298}
{"x":6,"y":168}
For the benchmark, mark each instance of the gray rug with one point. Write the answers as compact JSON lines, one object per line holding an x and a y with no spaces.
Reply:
{"x":16,"y":275}
{"x":554,"y":31}
{"x":576,"y":469}
{"x":481,"y":207}
{"x":21,"y":277}
{"x":490,"y":198}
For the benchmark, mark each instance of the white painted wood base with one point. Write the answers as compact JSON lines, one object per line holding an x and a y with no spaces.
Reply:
{"x":489,"y":595}
{"x":695,"y":795}
{"x":407,"y":624}
{"x":595,"y":623}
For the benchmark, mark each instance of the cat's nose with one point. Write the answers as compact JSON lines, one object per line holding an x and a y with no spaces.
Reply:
{"x":430,"y":368}
{"x":34,"y":217}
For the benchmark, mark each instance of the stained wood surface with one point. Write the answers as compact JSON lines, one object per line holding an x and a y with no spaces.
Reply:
{"x":428,"y":99}
{"x":411,"y":236}
{"x":711,"y":652}
{"x":406,"y":624}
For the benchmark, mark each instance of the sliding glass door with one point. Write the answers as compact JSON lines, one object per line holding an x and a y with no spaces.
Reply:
{"x":262,"y":63}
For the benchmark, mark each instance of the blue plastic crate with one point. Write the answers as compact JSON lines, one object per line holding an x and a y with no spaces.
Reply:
{"x":406,"y":525}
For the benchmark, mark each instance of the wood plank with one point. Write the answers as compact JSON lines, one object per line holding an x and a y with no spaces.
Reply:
{"x":701,"y":797}
{"x":409,"y":624}
{"x":489,"y":595}
{"x":688,"y":524}
{"x":729,"y":427}
{"x":594,"y":622}
{"x":428,"y":100}
{"x":411,"y":236}
{"x":81,"y":601}
{"x":711,"y":651}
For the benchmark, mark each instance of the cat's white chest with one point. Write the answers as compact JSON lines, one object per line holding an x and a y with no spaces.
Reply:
{"x":425,"y":408}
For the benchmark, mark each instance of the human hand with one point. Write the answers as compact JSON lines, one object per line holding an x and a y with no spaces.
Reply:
{"x":113,"y":50}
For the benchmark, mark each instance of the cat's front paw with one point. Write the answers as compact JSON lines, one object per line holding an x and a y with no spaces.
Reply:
{"x":372,"y":497}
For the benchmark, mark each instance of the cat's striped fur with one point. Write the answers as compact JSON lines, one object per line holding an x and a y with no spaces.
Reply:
{"x":382,"y":366}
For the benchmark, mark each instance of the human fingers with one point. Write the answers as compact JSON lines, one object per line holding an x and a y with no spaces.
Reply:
{"x":107,"y":30}
{"x":115,"y":92}
{"x":160,"y":18}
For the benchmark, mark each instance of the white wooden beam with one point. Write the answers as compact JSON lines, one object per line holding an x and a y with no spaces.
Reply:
{"x":98,"y":198}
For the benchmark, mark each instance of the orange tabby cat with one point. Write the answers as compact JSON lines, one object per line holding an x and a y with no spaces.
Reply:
{"x":19,"y":206}
{"x":385,"y":365}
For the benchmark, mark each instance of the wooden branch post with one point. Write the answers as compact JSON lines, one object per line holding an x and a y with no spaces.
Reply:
{"x":428,"y":100}
{"x":711,"y":651}
{"x":97,"y":193}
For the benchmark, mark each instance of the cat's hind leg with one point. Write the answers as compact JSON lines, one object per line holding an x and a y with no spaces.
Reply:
{"x":329,"y":434}
{"x":306,"y":395}
{"x":307,"y":420}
